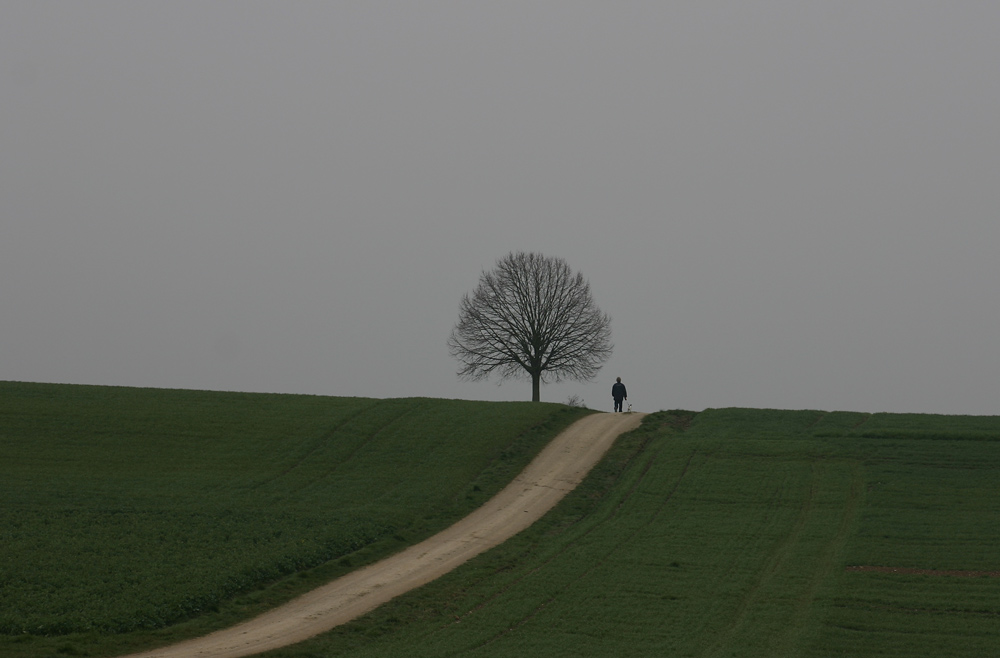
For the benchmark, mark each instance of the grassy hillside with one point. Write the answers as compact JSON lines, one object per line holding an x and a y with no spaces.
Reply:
{"x":735,"y":533}
{"x":124,"y":511}
{"x":732,"y":532}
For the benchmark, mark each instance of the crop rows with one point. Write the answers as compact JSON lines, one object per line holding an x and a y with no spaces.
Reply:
{"x":124,"y":510}
{"x":730,"y":533}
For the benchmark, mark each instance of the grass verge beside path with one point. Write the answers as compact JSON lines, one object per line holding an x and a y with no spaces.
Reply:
{"x":731,"y":533}
{"x":130,"y":518}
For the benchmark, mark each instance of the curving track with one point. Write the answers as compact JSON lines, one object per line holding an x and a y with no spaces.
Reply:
{"x":557,"y":469}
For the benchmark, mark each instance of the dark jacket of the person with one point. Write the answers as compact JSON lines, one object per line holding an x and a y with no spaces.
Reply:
{"x":618,"y":391}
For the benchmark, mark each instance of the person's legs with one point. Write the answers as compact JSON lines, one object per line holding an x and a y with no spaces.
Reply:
{"x":618,"y":404}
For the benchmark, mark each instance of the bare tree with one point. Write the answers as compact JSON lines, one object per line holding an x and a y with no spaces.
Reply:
{"x":531,"y":317}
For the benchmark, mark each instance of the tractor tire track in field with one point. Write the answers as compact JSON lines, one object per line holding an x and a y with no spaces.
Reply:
{"x":317,"y":445}
{"x":641,"y":452}
{"x":824,"y":562}
{"x":556,"y":471}
{"x":596,"y":564}
{"x":363,"y":442}
{"x":773,"y":567}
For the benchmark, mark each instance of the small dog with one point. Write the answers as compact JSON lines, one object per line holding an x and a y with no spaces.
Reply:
{"x":629,"y":408}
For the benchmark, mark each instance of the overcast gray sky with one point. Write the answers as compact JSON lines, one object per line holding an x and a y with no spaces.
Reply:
{"x":781,"y":204}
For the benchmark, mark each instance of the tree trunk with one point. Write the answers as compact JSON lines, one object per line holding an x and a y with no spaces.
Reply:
{"x":536,"y":385}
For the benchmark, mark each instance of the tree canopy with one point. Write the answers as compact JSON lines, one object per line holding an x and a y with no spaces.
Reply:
{"x":531,"y":316}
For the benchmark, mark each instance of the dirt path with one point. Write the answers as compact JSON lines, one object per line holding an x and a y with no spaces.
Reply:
{"x":554,"y":472}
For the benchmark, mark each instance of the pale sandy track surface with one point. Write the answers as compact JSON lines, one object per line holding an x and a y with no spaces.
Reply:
{"x":554,"y":472}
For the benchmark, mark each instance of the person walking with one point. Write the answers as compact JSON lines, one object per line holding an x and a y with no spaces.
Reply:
{"x":619,"y":393}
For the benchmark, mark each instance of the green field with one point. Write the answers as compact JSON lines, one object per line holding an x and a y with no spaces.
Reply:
{"x":731,"y":532}
{"x":132,"y":516}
